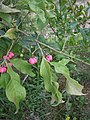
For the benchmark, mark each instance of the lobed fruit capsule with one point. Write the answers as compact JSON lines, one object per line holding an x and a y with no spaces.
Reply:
{"x":6,"y":58}
{"x":32,"y":61}
{"x":10,"y":64}
{"x":49,"y":58}
{"x":11,"y":55}
{"x":35,"y":60}
{"x":3,"y":69}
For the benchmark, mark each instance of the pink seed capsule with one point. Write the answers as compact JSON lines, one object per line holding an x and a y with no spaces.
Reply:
{"x":10,"y":56}
{"x":11,"y":53}
{"x":49,"y":58}
{"x":1,"y":69}
{"x":31,"y":61}
{"x":10,"y":64}
{"x":4,"y":69}
{"x":35,"y":60}
{"x":5,"y":58}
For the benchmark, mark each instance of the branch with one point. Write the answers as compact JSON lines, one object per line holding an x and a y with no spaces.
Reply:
{"x":60,"y":52}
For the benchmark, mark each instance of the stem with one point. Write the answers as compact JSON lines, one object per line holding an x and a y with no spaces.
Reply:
{"x":22,"y":32}
{"x":60,"y":7}
{"x":40,"y":48}
{"x":60,"y":52}
{"x":23,"y":19}
{"x":64,"y":44}
{"x":8,"y":53}
{"x":10,"y":47}
{"x":34,"y":51}
{"x":25,"y":79}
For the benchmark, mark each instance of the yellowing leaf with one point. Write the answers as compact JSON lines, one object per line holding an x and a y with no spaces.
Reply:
{"x":6,"y":9}
{"x":73,"y":87}
{"x":51,"y":85}
{"x":13,"y":75}
{"x":6,"y":17}
{"x":23,"y":66}
{"x":61,"y":68}
{"x":4,"y":79}
{"x":15,"y":92}
{"x":10,"y":33}
{"x":67,"y":118}
{"x":38,"y":11}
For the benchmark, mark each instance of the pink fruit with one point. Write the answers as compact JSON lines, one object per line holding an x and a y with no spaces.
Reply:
{"x":5,"y":58}
{"x":35,"y":60}
{"x":10,"y":56}
{"x":11,"y":53}
{"x":49,"y":58}
{"x":10,"y":64}
{"x":3,"y":69}
{"x":31,"y":61}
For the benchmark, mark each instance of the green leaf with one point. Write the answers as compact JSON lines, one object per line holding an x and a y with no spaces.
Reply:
{"x":13,"y":74}
{"x":27,"y":42}
{"x":61,"y":68}
{"x":10,"y":33}
{"x":23,"y":66}
{"x":15,"y":92}
{"x":50,"y":6}
{"x":41,"y":15}
{"x":40,"y":24}
{"x":6,"y":17}
{"x":64,"y":61}
{"x":38,"y":11}
{"x":46,"y":74}
{"x":73,"y":87}
{"x":50,"y":14}
{"x":4,"y":79}
{"x":51,"y":85}
{"x":6,"y":9}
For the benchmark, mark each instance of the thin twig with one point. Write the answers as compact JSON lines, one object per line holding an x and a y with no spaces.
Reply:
{"x":34,"y":51}
{"x":23,"y":19}
{"x":40,"y":49}
{"x":25,"y":78}
{"x":64,"y":44}
{"x":10,"y":47}
{"x":60,"y":52}
{"x":8,"y":52}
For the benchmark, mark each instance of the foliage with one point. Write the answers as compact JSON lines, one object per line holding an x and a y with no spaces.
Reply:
{"x":38,"y":28}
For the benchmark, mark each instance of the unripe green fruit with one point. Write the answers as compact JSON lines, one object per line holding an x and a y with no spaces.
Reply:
{"x":21,"y":55}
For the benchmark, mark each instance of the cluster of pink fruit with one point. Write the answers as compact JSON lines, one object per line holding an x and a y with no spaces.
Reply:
{"x":10,"y":55}
{"x":33,"y":60}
